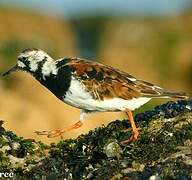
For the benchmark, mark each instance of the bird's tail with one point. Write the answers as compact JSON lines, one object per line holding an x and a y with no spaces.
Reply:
{"x":173,"y":94}
{"x":152,"y":91}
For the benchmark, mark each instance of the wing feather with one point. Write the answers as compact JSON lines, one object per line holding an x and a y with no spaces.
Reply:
{"x":104,"y":81}
{"x":107,"y":82}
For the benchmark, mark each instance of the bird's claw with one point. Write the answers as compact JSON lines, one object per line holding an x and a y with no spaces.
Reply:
{"x":133,"y":138}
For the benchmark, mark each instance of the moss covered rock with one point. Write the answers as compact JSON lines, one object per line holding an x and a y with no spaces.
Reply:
{"x":163,"y":150}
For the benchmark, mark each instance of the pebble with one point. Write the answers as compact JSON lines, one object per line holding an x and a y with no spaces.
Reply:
{"x":113,"y":150}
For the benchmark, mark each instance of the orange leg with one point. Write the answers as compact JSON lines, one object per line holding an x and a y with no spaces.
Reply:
{"x":135,"y":134}
{"x":59,"y":132}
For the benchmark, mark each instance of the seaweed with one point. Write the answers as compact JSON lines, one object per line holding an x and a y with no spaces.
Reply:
{"x":163,"y":150}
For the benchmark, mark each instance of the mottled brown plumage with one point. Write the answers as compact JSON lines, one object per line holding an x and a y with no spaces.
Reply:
{"x":105,"y":82}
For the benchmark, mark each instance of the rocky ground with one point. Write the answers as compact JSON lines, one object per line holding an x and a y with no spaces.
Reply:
{"x":163,"y":150}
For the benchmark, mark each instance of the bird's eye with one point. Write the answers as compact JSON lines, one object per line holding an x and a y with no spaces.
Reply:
{"x":24,"y":58}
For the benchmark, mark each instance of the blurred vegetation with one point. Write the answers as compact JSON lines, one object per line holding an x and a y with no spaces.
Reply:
{"x":154,"y":49}
{"x":88,"y":32}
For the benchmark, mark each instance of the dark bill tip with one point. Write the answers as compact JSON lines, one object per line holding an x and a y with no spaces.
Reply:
{"x":14,"y":68}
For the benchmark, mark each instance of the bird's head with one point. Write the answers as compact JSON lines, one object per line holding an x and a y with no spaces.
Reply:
{"x":31,"y":60}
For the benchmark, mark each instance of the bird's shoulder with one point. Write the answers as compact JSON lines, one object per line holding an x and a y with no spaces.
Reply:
{"x":88,"y":69}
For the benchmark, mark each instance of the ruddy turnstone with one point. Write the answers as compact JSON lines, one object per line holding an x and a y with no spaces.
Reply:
{"x":89,"y":86}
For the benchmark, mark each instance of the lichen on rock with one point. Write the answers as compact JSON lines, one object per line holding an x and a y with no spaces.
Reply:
{"x":163,"y":150}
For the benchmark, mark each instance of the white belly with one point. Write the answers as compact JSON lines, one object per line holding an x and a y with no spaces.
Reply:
{"x":77,"y":96}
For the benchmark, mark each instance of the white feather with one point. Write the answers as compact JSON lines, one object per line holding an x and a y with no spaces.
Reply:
{"x":78,"y":97}
{"x":132,"y":79}
{"x":21,"y":64}
{"x":33,"y":65}
{"x":48,"y":68}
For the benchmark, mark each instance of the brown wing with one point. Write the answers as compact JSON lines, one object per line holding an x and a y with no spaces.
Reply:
{"x":108,"y":82}
{"x":103,"y":81}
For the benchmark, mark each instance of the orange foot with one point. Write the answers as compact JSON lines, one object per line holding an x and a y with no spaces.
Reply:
{"x":59,"y":132}
{"x":135,"y":131}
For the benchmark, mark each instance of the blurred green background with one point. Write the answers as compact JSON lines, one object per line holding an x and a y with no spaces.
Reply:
{"x":150,"y":40}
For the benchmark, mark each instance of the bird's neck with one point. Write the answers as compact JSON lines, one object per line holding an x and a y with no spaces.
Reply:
{"x":55,"y":76}
{"x":45,"y":70}
{"x":47,"y":75}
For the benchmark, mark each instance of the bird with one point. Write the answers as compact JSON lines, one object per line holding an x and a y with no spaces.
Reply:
{"x":90,"y":86}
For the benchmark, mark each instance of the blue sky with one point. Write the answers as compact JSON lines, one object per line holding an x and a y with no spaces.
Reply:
{"x":75,"y":8}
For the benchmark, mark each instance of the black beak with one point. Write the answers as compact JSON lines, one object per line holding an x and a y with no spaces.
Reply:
{"x":14,"y":68}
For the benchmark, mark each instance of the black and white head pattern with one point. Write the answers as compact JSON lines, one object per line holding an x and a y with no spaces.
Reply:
{"x":36,"y":60}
